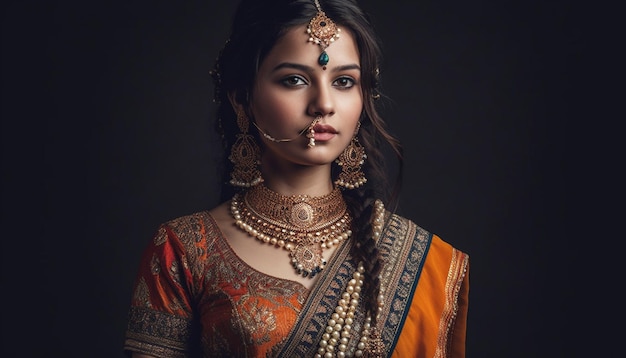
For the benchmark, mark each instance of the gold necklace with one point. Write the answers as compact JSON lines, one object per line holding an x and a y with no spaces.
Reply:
{"x":301,"y":224}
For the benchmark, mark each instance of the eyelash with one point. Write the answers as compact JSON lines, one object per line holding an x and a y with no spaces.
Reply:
{"x":349,"y":79}
{"x":288,"y":81}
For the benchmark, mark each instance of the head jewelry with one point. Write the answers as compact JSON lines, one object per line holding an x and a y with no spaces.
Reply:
{"x":322,"y":31}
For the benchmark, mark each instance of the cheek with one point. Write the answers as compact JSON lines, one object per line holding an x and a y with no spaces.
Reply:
{"x":351,"y":106}
{"x":271,"y":109}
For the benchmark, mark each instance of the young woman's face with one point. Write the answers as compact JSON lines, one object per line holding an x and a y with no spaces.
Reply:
{"x":291,"y":89}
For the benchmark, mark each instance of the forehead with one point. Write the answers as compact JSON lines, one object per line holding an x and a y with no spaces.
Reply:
{"x":294,"y":46}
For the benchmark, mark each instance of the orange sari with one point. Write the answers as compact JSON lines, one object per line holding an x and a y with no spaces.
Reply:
{"x":436,"y":322}
{"x":194,"y":297}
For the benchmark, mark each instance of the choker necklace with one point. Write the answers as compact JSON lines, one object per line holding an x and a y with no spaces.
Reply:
{"x":301,"y":224}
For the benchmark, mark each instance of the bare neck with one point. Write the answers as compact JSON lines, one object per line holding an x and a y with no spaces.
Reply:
{"x":309,"y":180}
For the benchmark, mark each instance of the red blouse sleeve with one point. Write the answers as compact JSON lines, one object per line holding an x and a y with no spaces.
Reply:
{"x":160,"y":317}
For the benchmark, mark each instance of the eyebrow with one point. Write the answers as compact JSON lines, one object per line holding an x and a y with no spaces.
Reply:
{"x":306,"y":68}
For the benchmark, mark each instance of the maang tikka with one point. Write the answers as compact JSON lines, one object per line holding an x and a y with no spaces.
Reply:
{"x":245,"y":155}
{"x":351,"y":160}
{"x":322,"y":31}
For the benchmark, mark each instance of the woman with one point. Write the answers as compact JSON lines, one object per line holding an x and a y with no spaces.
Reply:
{"x":302,"y":258}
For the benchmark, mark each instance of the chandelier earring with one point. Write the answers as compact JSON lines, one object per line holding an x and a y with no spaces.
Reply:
{"x":245,"y":155}
{"x":351,"y":160}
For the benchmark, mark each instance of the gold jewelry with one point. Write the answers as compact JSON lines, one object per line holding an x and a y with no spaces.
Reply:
{"x":311,"y":134}
{"x":300,"y":224}
{"x":322,"y":31}
{"x":350,"y":161}
{"x":336,"y":337}
{"x":245,"y":156}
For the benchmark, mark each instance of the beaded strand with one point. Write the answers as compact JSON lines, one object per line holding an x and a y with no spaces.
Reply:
{"x":336,"y":338}
{"x":302,"y":225}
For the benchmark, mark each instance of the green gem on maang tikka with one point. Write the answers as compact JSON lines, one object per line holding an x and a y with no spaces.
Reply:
{"x":323,"y":59}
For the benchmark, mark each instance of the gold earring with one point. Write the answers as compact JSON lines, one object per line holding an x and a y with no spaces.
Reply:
{"x":245,"y":156}
{"x":350,"y":161}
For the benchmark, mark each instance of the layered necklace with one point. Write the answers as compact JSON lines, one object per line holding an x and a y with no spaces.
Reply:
{"x":304,"y":226}
{"x":301,"y":224}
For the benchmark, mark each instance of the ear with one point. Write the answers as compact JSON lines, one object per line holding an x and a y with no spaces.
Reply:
{"x":240,"y":101}
{"x":237,"y":106}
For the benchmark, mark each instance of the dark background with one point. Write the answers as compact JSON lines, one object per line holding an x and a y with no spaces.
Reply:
{"x":106,"y":132}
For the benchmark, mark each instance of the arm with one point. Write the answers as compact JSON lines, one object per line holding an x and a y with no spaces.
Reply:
{"x":159,"y":318}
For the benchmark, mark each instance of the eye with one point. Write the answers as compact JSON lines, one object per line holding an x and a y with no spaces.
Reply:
{"x":344,"y":82}
{"x":293,"y":81}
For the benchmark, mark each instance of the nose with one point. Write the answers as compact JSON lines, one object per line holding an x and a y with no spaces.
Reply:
{"x":321,"y":102}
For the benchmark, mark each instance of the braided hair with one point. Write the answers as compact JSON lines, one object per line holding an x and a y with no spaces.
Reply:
{"x":256,"y":27}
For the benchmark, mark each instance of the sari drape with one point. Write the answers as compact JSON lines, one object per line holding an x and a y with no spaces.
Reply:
{"x":194,"y":296}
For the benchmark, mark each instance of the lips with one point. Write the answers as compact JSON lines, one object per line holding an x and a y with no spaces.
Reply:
{"x":323,"y":132}
{"x":324,"y":128}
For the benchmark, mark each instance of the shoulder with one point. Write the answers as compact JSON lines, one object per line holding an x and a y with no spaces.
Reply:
{"x":189,"y":219}
{"x":442,"y":261}
{"x":189,"y":224}
{"x":433,"y":241}
{"x":191,"y":229}
{"x":188,"y":239}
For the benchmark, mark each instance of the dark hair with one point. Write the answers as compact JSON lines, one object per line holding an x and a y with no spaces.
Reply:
{"x":256,"y":27}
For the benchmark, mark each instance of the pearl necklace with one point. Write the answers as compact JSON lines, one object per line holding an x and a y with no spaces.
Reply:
{"x":300,"y":224}
{"x":335,"y":341}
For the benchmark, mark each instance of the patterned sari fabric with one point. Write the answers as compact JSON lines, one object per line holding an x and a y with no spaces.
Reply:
{"x":194,"y":296}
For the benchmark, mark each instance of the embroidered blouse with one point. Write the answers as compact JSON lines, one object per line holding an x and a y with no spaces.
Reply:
{"x":194,"y":296}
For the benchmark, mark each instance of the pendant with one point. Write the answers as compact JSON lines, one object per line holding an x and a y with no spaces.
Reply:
{"x":307,"y":259}
{"x":323,"y":59}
